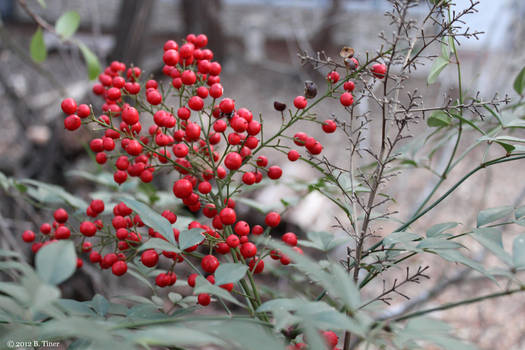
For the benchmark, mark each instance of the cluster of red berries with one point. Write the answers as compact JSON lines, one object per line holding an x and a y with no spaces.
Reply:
{"x":207,"y":139}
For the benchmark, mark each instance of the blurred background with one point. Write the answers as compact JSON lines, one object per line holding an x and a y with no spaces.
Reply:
{"x":257,"y":44}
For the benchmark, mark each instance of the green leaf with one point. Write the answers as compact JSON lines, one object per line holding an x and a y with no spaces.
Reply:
{"x":67,"y":24}
{"x":519,"y":82}
{"x":99,"y":304}
{"x":345,"y":288}
{"x":92,"y":62}
{"x":47,"y":193}
{"x":490,"y":238}
{"x":454,"y":255}
{"x":56,"y":261}
{"x":189,"y":238}
{"x":492,"y":214}
{"x":518,"y":251}
{"x":151,"y":218}
{"x":175,"y":337}
{"x":439,"y":64}
{"x":440,"y":228}
{"x":42,"y":3}
{"x":437,"y":243}
{"x":37,"y":47}
{"x":322,"y":240}
{"x":230,"y":273}
{"x":202,"y":285}
{"x":439,"y":119}
{"x":159,"y":243}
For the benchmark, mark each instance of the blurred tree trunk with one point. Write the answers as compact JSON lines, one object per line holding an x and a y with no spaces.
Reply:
{"x":324,"y":38}
{"x":204,"y":16}
{"x":131,"y":28}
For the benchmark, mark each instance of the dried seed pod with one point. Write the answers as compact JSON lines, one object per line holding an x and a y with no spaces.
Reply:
{"x":310,"y":89}
{"x":279,"y":106}
{"x":346,"y":52}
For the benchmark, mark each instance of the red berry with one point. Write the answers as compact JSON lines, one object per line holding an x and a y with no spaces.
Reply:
{"x":88,"y":229}
{"x":379,"y":70}
{"x":290,"y":238}
{"x":349,"y":86}
{"x":274,"y":172}
{"x":188,"y":77}
{"x":119,"y":268}
{"x":232,"y":241}
{"x":209,"y":263}
{"x":120,"y":176}
{"x":331,"y":338}
{"x":300,"y":102}
{"x":333,"y":76}
{"x":45,"y":228}
{"x":149,"y":258}
{"x":134,"y":148}
{"x":227,"y":106}
{"x":216,"y":90}
{"x":233,"y":161}
{"x":28,"y":236}
{"x":182,"y":188}
{"x":130,"y":115}
{"x":72,"y":122}
{"x":193,"y":131}
{"x":97,"y":205}
{"x":154,"y":97}
{"x":204,"y":299}
{"x":293,"y":155}
{"x":300,"y":138}
{"x":60,"y":215}
{"x":329,"y":126}
{"x":62,"y":232}
{"x":196,"y":103}
{"x":95,"y":257}
{"x":170,"y":57}
{"x":248,"y":178}
{"x":69,"y":106}
{"x":262,"y":161}
{"x":256,"y":265}
{"x":248,"y":250}
{"x":272,"y":219}
{"x":228,"y":216}
{"x":204,"y":187}
{"x":346,"y":99}
{"x":257,"y":230}
{"x":242,"y":228}
{"x":191,"y":279}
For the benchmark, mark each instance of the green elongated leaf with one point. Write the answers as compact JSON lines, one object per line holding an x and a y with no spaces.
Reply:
{"x":519,"y":82}
{"x":189,"y":238}
{"x":490,"y":238}
{"x":47,"y":193}
{"x":345,"y":288}
{"x":37,"y":47}
{"x":321,"y":240}
{"x":91,"y":60}
{"x":151,"y":218}
{"x":56,"y":261}
{"x":440,"y":228}
{"x":438,"y":243}
{"x":230,"y":273}
{"x":99,"y":304}
{"x":245,"y":335}
{"x":42,"y":3}
{"x":506,"y":146}
{"x":175,"y":336}
{"x":454,"y":255}
{"x":159,"y":243}
{"x":439,"y":64}
{"x":492,"y":214}
{"x":74,"y":307}
{"x":202,"y":285}
{"x":518,"y":251}
{"x":67,"y":24}
{"x":439,"y":119}
{"x":445,"y":49}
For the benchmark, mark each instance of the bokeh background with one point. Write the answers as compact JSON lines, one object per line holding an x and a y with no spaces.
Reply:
{"x":257,"y":43}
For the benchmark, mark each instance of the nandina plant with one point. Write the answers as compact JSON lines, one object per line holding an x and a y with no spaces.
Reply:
{"x":185,"y":126}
